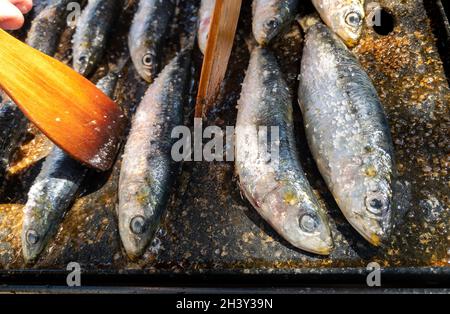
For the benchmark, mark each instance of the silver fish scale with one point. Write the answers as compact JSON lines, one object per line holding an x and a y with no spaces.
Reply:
{"x":279,"y":191}
{"x":93,"y":29}
{"x":148,"y":170}
{"x":48,"y":26}
{"x":346,"y":128}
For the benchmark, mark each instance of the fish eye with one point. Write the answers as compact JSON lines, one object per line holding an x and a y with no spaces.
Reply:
{"x":32,"y":237}
{"x":82,"y":58}
{"x":147,"y":60}
{"x":137,"y":225}
{"x":376,"y":204}
{"x":308,"y":223}
{"x":271,"y":24}
{"x":353,"y":19}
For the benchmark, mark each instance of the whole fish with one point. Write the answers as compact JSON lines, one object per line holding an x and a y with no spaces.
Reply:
{"x":205,"y":16}
{"x":347,"y":132}
{"x":47,"y":27}
{"x":92,"y":32}
{"x":53,"y":191}
{"x":344,"y":17}
{"x":279,"y":191}
{"x":270,"y":17}
{"x":148,"y":170}
{"x":48,"y":200}
{"x":148,"y":29}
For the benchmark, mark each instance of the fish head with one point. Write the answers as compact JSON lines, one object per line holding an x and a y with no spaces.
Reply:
{"x":364,"y":194}
{"x":145,"y":62}
{"x":347,"y":21}
{"x":264,"y":32}
{"x":83,"y":60}
{"x":267,"y":21}
{"x":35,"y":232}
{"x":136,"y":230}
{"x":299,"y":219}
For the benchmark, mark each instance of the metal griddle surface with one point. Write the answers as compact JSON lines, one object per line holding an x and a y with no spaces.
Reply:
{"x":211,"y":228}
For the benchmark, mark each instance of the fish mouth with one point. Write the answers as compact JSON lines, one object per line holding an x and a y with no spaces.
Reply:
{"x":372,"y":232}
{"x":321,"y":247}
{"x":318,"y":242}
{"x":31,"y":253}
{"x":134,"y":245}
{"x":372,"y":237}
{"x":134,"y":252}
{"x":313,"y":244}
{"x":351,"y":40}
{"x":146,"y":74}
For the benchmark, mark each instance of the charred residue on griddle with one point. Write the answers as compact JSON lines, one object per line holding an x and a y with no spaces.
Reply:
{"x":10,"y":228}
{"x":411,"y":83}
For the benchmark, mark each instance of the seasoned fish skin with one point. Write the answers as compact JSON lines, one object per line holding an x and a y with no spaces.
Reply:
{"x":91,"y":35}
{"x":39,"y":5}
{"x":280,"y":193}
{"x":53,"y":191}
{"x":148,"y":29}
{"x":148,"y":170}
{"x":344,"y":17}
{"x":205,"y":16}
{"x":47,"y":27}
{"x":13,"y":125}
{"x":270,"y":17}
{"x":347,"y":132}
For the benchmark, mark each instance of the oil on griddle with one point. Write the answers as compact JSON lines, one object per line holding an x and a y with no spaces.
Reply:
{"x":209,"y":226}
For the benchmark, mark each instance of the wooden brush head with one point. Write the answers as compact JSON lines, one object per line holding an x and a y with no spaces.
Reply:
{"x":64,"y":105}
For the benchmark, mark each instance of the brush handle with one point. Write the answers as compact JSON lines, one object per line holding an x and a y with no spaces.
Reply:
{"x":218,"y":50}
{"x":64,"y":105}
